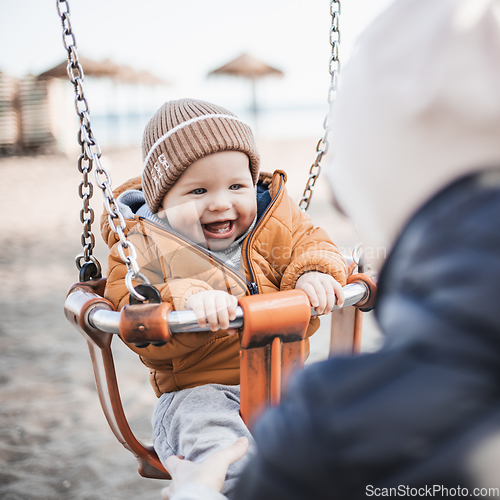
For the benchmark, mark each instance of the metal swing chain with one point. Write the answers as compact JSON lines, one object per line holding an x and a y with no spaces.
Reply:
{"x":334,"y":69}
{"x":90,"y":156}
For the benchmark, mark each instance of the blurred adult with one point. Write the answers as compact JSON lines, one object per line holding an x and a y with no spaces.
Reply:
{"x":417,"y":166}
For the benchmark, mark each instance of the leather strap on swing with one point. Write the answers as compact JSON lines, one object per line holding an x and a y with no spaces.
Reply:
{"x":143,"y":324}
{"x":347,"y":323}
{"x":272,"y":347}
{"x":82,"y":298}
{"x":368,"y":303}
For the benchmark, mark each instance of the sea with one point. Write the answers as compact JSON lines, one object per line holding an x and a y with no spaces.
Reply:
{"x":125,"y":130}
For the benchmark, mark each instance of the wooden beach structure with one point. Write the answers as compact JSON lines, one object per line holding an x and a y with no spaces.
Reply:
{"x":9,"y":114}
{"x":34,"y":112}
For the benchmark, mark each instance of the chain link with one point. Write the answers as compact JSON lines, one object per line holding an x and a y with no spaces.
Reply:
{"x":88,"y":159}
{"x":334,"y":69}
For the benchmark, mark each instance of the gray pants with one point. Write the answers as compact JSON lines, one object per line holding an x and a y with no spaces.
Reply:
{"x":196,"y":422}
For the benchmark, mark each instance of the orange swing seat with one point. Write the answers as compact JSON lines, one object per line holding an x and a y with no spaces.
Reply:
{"x":272,"y":348}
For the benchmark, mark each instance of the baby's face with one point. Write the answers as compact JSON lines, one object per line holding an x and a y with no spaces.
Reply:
{"x":213,"y":202}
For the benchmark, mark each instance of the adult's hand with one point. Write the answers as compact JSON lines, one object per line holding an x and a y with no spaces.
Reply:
{"x":211,"y":472}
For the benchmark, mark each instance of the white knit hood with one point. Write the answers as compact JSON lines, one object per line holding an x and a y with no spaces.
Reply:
{"x":418,"y":106}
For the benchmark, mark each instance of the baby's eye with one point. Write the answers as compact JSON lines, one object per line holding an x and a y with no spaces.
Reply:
{"x":198,"y":191}
{"x":235,"y":187}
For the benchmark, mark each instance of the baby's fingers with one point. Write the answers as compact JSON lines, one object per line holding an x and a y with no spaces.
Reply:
{"x":227,"y":312}
{"x":198,"y":307}
{"x":232,"y":305}
{"x":212,"y":312}
{"x":339,"y":293}
{"x":311,"y":293}
{"x":222,"y":312}
{"x":322,"y":297}
{"x":330,"y":296}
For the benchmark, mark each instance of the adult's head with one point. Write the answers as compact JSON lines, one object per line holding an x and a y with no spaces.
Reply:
{"x":418,"y":107}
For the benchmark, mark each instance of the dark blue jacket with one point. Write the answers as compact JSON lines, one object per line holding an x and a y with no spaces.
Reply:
{"x":412,"y":413}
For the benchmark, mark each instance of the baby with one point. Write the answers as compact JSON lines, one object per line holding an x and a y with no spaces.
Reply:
{"x":209,"y":229}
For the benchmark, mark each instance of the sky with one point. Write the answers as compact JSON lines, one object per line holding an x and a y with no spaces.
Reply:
{"x":181,"y":41}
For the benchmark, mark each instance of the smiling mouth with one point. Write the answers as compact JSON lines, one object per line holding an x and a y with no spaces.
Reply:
{"x":219,"y":229}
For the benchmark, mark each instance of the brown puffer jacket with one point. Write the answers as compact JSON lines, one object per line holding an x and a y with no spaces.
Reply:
{"x":283,"y":245}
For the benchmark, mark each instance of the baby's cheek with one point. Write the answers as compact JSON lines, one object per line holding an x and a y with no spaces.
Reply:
{"x":185,"y":220}
{"x":191,"y":228}
{"x":250,"y":214}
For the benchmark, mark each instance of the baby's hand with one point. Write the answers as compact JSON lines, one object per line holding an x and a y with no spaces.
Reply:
{"x":322,"y":289}
{"x":214,"y":307}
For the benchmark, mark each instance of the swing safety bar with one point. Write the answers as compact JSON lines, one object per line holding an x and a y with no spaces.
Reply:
{"x":273,"y":345}
{"x":185,"y":321}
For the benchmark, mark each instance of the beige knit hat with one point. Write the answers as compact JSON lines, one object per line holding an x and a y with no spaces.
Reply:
{"x":183,"y":131}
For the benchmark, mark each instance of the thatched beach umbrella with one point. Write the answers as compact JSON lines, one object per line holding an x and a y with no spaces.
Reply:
{"x":90,"y":68}
{"x":122,"y":108}
{"x":128,"y":75}
{"x":106,"y":68}
{"x":246,"y":66}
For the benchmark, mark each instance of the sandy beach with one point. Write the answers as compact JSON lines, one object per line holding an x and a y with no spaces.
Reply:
{"x":54,"y":441}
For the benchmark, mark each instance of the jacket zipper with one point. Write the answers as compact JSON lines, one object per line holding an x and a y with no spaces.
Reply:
{"x":254,"y":289}
{"x":250,"y":286}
